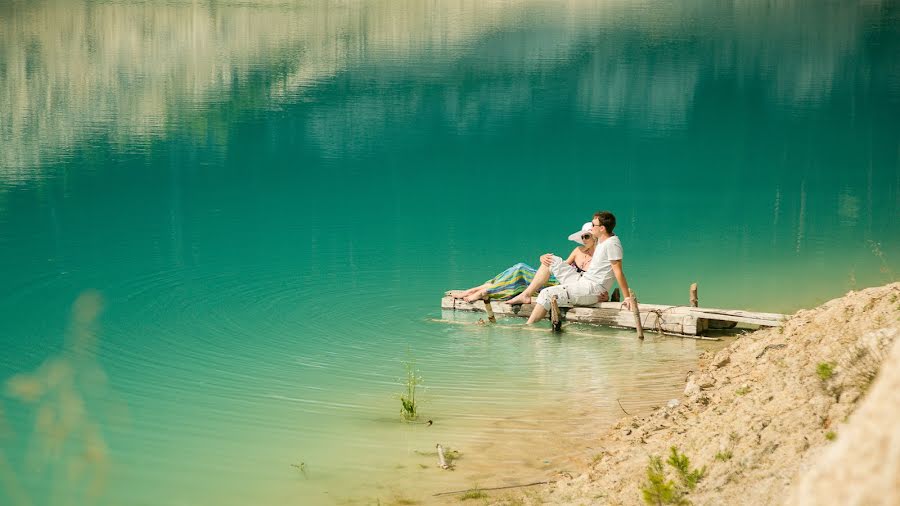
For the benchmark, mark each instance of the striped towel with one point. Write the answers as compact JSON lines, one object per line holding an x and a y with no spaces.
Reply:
{"x":514,"y":281}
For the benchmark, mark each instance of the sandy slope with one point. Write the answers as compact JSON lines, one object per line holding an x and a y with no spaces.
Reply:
{"x":763,"y":409}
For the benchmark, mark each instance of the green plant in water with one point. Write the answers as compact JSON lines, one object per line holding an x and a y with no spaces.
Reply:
{"x":69,"y":436}
{"x":403,"y":501}
{"x":409,"y":408}
{"x":451,"y":455}
{"x":830,"y":435}
{"x":302,"y":468}
{"x":474,"y":493}
{"x":825,"y":370}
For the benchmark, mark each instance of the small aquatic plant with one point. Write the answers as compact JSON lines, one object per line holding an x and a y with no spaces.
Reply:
{"x":409,"y":408}
{"x":474,"y":493}
{"x":68,"y":435}
{"x":404,"y":501}
{"x":451,"y":455}
{"x":830,"y":435}
{"x":302,"y":468}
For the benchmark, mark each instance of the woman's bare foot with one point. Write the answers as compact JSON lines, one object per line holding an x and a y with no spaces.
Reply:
{"x":520,"y":299}
{"x":476,"y":295}
{"x":462,"y":294}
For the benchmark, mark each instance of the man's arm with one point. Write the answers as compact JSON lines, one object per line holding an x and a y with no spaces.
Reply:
{"x":623,"y":283}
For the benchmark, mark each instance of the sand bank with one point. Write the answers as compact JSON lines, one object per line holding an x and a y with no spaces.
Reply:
{"x":802,"y":414}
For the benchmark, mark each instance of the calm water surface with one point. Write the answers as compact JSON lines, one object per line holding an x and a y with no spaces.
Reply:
{"x":257,"y":205}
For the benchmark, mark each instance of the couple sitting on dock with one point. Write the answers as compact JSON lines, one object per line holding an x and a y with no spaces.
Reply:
{"x":583,"y":279}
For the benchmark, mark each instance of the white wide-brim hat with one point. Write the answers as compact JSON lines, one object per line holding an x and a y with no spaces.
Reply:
{"x":577,"y":235}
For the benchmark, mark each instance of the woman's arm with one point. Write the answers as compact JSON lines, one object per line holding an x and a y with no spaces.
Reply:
{"x":572,"y":256}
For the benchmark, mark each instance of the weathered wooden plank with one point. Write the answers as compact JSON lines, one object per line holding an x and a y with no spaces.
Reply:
{"x":666,"y":318}
{"x":738,"y":316}
{"x":714,"y":314}
{"x":677,"y":322}
{"x":673,"y":319}
{"x":741,"y":312}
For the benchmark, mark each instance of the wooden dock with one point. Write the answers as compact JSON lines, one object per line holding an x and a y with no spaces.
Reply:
{"x":681,"y":320}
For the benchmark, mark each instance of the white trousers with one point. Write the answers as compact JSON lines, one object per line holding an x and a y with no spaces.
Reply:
{"x":572,"y":289}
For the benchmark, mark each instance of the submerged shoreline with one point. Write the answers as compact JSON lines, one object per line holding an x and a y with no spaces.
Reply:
{"x":759,"y":416}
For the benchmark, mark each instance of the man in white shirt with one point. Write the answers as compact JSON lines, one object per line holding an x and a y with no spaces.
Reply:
{"x":584,"y":288}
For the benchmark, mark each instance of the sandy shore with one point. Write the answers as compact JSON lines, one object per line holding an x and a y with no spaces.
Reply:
{"x":774,"y":419}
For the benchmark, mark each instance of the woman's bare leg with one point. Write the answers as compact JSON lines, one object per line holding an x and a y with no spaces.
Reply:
{"x":477,"y":294}
{"x":540,"y":279}
{"x":462,"y":294}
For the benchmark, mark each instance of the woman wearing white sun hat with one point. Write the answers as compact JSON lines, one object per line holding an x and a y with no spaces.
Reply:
{"x":585,"y":288}
{"x":524,"y":280}
{"x":578,"y":262}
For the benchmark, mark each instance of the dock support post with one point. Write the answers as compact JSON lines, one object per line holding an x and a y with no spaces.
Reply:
{"x":637,"y":316}
{"x":489,"y":309}
{"x":554,"y":314}
{"x":694,"y":299}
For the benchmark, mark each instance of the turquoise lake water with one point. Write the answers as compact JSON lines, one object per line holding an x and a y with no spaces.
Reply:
{"x":258,"y":204}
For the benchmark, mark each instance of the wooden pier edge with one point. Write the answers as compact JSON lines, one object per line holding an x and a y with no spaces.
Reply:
{"x":681,"y":320}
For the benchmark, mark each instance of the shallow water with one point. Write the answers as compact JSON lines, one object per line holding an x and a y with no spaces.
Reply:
{"x":269,"y":198}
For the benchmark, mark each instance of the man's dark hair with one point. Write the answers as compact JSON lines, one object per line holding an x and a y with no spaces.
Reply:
{"x":607,"y":220}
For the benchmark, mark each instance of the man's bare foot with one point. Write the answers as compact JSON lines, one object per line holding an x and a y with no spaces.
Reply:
{"x":520,"y":299}
{"x":476,"y":295}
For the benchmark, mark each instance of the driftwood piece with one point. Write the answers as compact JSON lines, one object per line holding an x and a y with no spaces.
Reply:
{"x":442,"y":461}
{"x":770,"y":347}
{"x":695,"y":300}
{"x":532,"y":484}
